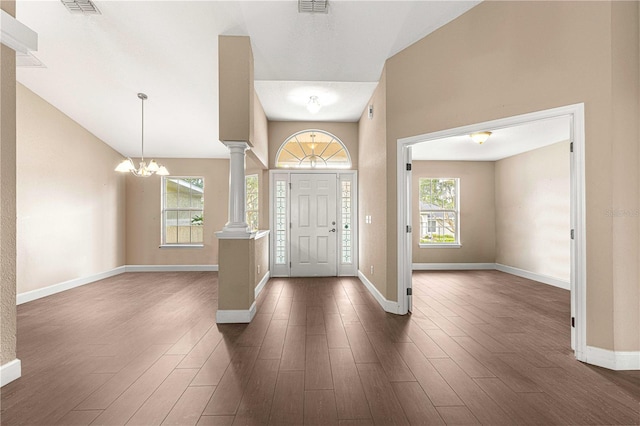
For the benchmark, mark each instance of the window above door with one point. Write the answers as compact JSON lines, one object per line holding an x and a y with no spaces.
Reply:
{"x":313,"y":149}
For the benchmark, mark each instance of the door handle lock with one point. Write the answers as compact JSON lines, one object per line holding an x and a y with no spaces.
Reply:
{"x":332,"y":230}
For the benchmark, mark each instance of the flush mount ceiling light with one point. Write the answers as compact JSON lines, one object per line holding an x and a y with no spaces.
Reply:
{"x":480,"y":137}
{"x":313,"y":6}
{"x":144,"y":170}
{"x":313,"y":106}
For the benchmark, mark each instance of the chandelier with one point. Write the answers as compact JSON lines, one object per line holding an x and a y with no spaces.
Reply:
{"x":144,"y":169}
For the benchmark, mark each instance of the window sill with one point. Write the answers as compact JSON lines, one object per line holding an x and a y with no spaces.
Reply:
{"x":182,"y":246}
{"x":440,"y":245}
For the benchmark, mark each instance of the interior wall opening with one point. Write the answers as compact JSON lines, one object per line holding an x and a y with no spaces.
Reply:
{"x":457,"y":174}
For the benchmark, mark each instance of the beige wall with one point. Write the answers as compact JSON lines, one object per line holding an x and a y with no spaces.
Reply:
{"x":70,"y":201}
{"x":261,"y":259}
{"x":372,"y":199}
{"x":143,"y":217}
{"x":477,"y":211}
{"x":459,"y":75}
{"x":260,"y":143}
{"x":533,"y":211}
{"x":7,"y":198}
{"x":235,"y":88}
{"x":626,"y":165}
{"x":258,"y":160}
{"x":238,"y":278}
{"x":279,"y":131}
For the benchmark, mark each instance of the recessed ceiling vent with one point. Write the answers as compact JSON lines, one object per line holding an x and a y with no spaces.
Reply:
{"x":85,"y":7}
{"x":313,"y":6}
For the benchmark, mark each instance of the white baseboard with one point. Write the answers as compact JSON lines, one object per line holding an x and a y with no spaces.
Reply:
{"x":28,"y":296}
{"x":171,"y":268}
{"x":545,"y":279}
{"x":452,"y":266}
{"x":262,"y":283}
{"x":388,"y":305}
{"x":236,"y":316}
{"x":10,"y":372}
{"x":613,"y":360}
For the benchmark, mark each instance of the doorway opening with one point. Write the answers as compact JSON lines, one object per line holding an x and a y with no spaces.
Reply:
{"x":313,"y":216}
{"x":575,"y":116}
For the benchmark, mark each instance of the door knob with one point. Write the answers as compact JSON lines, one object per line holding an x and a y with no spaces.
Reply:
{"x":332,"y":230}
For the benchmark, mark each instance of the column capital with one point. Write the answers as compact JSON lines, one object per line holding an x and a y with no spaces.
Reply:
{"x":237,"y":146}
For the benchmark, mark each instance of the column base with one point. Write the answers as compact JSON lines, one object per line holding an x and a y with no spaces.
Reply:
{"x":241,"y":227}
{"x":235,"y":235}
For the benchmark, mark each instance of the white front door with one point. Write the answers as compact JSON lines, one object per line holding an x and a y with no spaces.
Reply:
{"x":313,"y":225}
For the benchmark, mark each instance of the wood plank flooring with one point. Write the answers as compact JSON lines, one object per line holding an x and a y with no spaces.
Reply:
{"x":481,"y":347}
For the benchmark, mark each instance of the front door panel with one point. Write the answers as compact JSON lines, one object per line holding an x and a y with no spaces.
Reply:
{"x":313,"y":225}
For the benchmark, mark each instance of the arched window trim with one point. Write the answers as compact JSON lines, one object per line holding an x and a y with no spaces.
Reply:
{"x":333,"y":137}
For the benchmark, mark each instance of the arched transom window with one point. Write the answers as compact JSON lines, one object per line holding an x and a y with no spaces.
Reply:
{"x":313,"y":149}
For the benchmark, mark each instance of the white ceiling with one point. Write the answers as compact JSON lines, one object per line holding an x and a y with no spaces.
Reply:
{"x":96,"y":64}
{"x":501,"y":144}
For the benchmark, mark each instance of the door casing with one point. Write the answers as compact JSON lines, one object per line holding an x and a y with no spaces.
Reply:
{"x":277,"y":176}
{"x":578,"y":210}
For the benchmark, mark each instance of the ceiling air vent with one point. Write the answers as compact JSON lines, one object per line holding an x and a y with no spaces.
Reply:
{"x":313,"y":6}
{"x":85,"y":7}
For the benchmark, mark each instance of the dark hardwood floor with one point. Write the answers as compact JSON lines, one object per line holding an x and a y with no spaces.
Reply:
{"x":481,"y":347}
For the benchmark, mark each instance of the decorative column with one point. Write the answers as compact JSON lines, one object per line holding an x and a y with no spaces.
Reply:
{"x":236,"y":249}
{"x":237,"y":218}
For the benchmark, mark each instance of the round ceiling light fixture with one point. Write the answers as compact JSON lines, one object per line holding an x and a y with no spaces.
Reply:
{"x":480,"y":137}
{"x":313,"y":106}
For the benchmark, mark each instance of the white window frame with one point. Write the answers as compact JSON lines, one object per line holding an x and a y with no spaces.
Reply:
{"x":163,"y":210}
{"x":457,"y":243}
{"x":323,"y":164}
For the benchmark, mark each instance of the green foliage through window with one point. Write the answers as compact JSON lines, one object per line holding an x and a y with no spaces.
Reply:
{"x":439,"y":210}
{"x":182,"y":210}
{"x":252,"y":206}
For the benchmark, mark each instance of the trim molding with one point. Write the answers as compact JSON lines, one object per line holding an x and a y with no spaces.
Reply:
{"x":452,"y":266}
{"x":171,"y":268}
{"x":239,"y":316}
{"x":28,"y":296}
{"x":16,"y":35}
{"x":545,"y":279}
{"x":613,"y":360}
{"x":262,"y":283}
{"x":10,"y":372}
{"x":387,"y":305}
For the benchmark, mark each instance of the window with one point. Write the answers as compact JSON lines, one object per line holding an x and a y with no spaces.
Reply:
{"x":182,"y":210}
{"x":345,"y":209}
{"x":281,"y":221}
{"x":439,"y":212}
{"x":313,"y":149}
{"x":251,"y":208}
